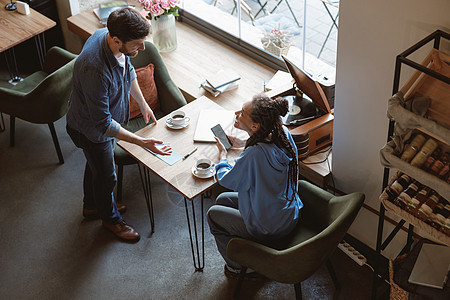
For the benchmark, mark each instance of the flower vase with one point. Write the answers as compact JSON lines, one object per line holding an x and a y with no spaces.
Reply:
{"x":164,"y":33}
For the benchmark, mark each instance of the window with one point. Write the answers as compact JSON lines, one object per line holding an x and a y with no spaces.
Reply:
{"x":247,"y":29}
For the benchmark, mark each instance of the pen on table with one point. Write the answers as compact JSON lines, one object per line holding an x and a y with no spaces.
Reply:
{"x":189,"y":154}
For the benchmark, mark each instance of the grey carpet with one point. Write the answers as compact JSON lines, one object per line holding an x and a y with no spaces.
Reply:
{"x":48,"y":251}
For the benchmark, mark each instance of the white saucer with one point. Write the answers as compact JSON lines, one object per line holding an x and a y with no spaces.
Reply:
{"x":204,"y":176}
{"x":173,"y":126}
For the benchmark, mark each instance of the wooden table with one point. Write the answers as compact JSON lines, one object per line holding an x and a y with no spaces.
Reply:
{"x":179,"y":176}
{"x":17,"y":28}
{"x":316,"y":169}
{"x":196,"y":57}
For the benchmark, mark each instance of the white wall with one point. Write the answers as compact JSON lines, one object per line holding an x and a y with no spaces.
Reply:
{"x":371,"y":35}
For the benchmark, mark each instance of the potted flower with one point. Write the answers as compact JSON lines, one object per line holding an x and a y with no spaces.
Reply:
{"x":162,"y":15}
{"x":277,"y":41}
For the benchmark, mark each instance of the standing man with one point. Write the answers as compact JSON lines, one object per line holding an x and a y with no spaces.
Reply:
{"x":102,"y":80}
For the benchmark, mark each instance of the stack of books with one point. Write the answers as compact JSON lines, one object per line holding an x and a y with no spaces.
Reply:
{"x":221,"y":82}
{"x":105,"y":9}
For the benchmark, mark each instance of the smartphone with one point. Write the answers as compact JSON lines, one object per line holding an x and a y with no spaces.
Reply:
{"x":221,"y":135}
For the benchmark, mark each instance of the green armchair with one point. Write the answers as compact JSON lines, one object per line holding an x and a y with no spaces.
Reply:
{"x":324,"y":221}
{"x":169,"y":96}
{"x":43,"y":96}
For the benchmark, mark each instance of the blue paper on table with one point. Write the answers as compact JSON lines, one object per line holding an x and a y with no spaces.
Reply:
{"x":169,"y":159}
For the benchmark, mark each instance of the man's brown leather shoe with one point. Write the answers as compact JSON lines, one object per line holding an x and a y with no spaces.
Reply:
{"x":123,"y":231}
{"x":92,"y":214}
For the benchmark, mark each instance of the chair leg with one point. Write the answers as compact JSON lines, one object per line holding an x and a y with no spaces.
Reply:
{"x":239,"y":283}
{"x":55,"y":141}
{"x":330,"y":268}
{"x":12,"y":130}
{"x":119,"y":183}
{"x":298,"y":291}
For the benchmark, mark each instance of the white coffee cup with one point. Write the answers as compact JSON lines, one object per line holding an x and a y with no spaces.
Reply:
{"x":178,"y":117}
{"x":203,"y":166}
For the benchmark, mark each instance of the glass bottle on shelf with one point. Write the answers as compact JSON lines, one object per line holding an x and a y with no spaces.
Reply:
{"x":405,"y":197}
{"x":397,"y":187}
{"x":439,"y":164}
{"x":440,"y":214}
{"x":421,"y":156}
{"x":444,"y":171}
{"x":412,"y":148}
{"x":426,"y":210}
{"x":432,"y":158}
{"x":418,"y":200}
{"x":446,"y":228}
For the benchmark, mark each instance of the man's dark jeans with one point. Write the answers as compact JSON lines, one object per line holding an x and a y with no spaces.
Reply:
{"x":99,"y":176}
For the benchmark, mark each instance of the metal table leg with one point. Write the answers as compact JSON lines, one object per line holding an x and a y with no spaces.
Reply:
{"x":2,"y":124}
{"x":199,"y":263}
{"x":145,"y":180}
{"x":40,"y":46}
{"x":11,"y":65}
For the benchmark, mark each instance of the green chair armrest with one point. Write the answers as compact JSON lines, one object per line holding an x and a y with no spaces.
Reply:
{"x":11,"y":101}
{"x":56,"y":58}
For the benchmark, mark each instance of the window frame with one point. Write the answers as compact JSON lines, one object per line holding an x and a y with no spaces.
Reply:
{"x":232,"y":41}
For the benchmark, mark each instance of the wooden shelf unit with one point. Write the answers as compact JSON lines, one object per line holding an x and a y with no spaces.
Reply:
{"x":414,"y":82}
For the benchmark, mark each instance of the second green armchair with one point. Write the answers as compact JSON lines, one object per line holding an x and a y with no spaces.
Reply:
{"x":43,"y":96}
{"x":325,"y":219}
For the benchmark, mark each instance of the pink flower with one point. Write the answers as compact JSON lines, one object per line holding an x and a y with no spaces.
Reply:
{"x":156,"y":10}
{"x":174,"y":3}
{"x":165,"y":4}
{"x":145,"y":3}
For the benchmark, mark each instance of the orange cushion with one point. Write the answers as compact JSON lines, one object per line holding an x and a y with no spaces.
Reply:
{"x":147,"y":84}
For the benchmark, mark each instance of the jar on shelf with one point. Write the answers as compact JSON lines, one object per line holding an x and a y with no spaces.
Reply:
{"x":426,"y":210}
{"x":437,"y":166}
{"x":444,"y":171}
{"x":418,"y":200}
{"x":432,"y":158}
{"x":440,"y":213}
{"x":405,"y":197}
{"x":412,"y":148}
{"x":397,"y":187}
{"x":421,"y":156}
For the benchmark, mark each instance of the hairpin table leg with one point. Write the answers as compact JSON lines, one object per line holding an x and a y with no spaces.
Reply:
{"x":2,"y":124}
{"x":199,"y":263}
{"x":146,"y":185}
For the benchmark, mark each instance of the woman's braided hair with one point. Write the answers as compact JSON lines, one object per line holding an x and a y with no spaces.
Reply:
{"x":267,"y":112}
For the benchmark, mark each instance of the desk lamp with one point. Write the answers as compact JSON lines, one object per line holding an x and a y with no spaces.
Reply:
{"x":11,"y":6}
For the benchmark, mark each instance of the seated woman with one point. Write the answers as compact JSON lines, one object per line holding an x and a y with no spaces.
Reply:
{"x":264,"y":205}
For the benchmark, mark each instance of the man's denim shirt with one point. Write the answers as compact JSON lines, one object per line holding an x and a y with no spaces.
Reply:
{"x":99,"y":101}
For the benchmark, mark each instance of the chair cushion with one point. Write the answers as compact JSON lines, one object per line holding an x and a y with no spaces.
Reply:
{"x":147,"y":84}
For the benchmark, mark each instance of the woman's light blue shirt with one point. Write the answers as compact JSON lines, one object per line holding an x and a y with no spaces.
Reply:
{"x":260,"y":176}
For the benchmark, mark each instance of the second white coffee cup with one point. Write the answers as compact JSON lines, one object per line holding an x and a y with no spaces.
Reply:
{"x":178,"y":117}
{"x":203,"y":166}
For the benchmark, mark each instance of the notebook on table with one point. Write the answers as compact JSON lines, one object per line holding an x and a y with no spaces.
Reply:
{"x":432,"y":266}
{"x":209,"y":118}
